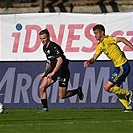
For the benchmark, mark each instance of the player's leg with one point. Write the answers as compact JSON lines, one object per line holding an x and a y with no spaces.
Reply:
{"x":121,"y":93}
{"x":114,"y":82}
{"x":46,"y":82}
{"x":64,"y":93}
{"x":114,"y":88}
{"x":63,"y":84}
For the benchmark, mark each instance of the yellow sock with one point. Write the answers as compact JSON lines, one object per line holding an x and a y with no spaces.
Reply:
{"x":125,"y":103}
{"x":121,"y":93}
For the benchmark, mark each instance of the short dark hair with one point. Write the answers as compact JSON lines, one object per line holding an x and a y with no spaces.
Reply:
{"x":99,"y":27}
{"x":45,"y":31}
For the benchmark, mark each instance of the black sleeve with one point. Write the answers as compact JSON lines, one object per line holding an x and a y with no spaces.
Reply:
{"x":58,"y":51}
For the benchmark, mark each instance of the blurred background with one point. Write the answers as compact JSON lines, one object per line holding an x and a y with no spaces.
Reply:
{"x":22,"y":58}
{"x":74,"y":6}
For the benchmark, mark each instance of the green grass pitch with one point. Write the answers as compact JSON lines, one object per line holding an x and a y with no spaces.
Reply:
{"x":66,"y":121}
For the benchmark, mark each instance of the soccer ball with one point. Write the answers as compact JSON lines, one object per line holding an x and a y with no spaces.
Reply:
{"x":1,"y":108}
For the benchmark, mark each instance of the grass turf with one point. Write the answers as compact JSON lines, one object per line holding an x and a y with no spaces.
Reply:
{"x":66,"y":121}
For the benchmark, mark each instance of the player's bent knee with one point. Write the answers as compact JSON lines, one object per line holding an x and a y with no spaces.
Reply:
{"x":106,"y":88}
{"x":62,"y":96}
{"x":42,"y":89}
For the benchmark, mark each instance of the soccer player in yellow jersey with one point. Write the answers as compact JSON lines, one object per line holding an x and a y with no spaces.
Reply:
{"x":108,"y":45}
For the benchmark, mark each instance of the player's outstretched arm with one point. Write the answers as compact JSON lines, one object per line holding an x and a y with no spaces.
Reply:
{"x":91,"y":61}
{"x":125,"y":41}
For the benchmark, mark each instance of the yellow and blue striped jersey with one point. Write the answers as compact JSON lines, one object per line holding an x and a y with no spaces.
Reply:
{"x":111,"y":49}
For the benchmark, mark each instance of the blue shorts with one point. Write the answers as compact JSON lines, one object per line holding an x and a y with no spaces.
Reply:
{"x":120,"y":73}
